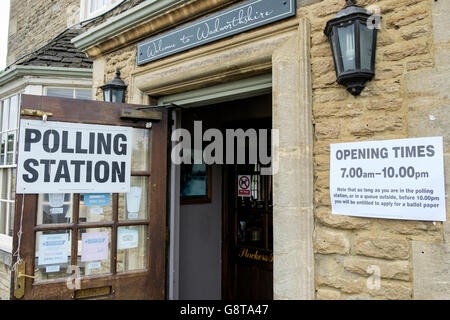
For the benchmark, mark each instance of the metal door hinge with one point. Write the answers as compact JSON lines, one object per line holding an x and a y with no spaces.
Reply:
{"x":35,"y":113}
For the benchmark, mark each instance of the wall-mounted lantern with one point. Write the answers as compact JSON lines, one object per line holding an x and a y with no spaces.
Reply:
{"x":353,"y":42}
{"x":114,"y":90}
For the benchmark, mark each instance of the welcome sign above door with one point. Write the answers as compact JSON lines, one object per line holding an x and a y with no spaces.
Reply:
{"x":246,"y":16}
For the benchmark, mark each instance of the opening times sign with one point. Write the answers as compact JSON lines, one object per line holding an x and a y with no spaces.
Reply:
{"x":392,"y":179}
{"x":62,"y":157}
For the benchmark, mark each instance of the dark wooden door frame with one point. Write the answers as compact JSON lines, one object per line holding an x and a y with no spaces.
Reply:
{"x":229,"y":222}
{"x":149,"y":284}
{"x":227,"y":225}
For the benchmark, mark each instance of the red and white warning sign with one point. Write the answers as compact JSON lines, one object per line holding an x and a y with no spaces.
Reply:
{"x":244,"y":183}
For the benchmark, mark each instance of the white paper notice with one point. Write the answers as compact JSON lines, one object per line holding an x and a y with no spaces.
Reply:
{"x":51,"y":269}
{"x":56,"y":210}
{"x":56,"y":199}
{"x":53,"y":248}
{"x":134,"y":199}
{"x":96,"y":210}
{"x":127,"y":239}
{"x":94,"y":265}
{"x":392,"y":179}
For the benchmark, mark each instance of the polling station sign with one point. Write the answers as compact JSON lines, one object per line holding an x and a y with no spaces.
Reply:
{"x":392,"y":179}
{"x":62,"y":157}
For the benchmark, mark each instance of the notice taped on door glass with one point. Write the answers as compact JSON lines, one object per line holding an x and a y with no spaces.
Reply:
{"x":392,"y":179}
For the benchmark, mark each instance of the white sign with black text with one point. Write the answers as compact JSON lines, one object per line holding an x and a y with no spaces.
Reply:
{"x":62,"y":157}
{"x":392,"y":179}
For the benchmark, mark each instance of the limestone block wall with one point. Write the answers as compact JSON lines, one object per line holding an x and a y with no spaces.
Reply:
{"x":5,"y":281}
{"x":35,"y":22}
{"x":428,"y":96}
{"x":347,"y":248}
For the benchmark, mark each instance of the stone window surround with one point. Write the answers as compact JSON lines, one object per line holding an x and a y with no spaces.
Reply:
{"x":283,"y":50}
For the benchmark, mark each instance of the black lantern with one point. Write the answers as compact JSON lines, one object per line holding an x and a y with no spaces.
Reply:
{"x":114,"y":90}
{"x":353,"y":38}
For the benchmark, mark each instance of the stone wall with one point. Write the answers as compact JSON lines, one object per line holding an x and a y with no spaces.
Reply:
{"x":349,"y":250}
{"x":5,"y":275}
{"x":429,"y":114}
{"x":35,"y":22}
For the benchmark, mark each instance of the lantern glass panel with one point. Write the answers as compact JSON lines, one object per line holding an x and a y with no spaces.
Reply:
{"x":366,"y":36}
{"x":334,"y":42}
{"x":117,"y":96}
{"x":107,"y":95}
{"x":347,"y":45}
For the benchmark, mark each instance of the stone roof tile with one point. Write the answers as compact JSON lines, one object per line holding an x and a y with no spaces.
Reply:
{"x":60,"y":52}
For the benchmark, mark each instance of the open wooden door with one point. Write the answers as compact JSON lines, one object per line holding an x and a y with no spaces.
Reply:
{"x":133,"y":223}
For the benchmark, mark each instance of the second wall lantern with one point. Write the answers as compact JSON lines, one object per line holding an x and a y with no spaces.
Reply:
{"x":353,"y":43}
{"x":114,"y":90}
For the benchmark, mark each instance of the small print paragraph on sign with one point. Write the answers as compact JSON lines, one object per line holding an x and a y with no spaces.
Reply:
{"x":392,"y":179}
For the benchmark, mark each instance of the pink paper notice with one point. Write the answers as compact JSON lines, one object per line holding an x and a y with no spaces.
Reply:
{"x":94,"y":246}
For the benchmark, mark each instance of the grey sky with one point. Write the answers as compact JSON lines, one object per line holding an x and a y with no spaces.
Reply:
{"x":4,"y":21}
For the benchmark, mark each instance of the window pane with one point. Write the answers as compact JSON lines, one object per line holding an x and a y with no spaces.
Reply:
{"x":93,"y":5}
{"x":5,"y":112}
{"x":3,"y":217}
{"x":11,"y":220}
{"x":18,"y":109}
{"x":3,"y":149}
{"x":95,"y":207}
{"x":140,"y":154}
{"x":347,"y":44}
{"x":94,"y":251}
{"x":98,"y":4}
{"x":133,"y":205}
{"x":12,"y":123}
{"x":54,"y":208}
{"x":53,"y":254}
{"x":60,"y":93}
{"x":4,"y":184}
{"x":13,"y":184}
{"x":83,"y":94}
{"x":131,"y":248}
{"x":10,"y":148}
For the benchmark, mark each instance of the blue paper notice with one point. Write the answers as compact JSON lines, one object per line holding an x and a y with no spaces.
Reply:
{"x":53,"y":248}
{"x":97,"y":199}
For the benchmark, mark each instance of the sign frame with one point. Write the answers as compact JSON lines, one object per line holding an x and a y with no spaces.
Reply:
{"x":240,"y":18}
{"x":399,"y":179}
{"x":63,"y":138}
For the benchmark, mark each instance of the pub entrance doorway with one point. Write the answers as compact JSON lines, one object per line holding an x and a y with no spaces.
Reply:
{"x":225,"y":240}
